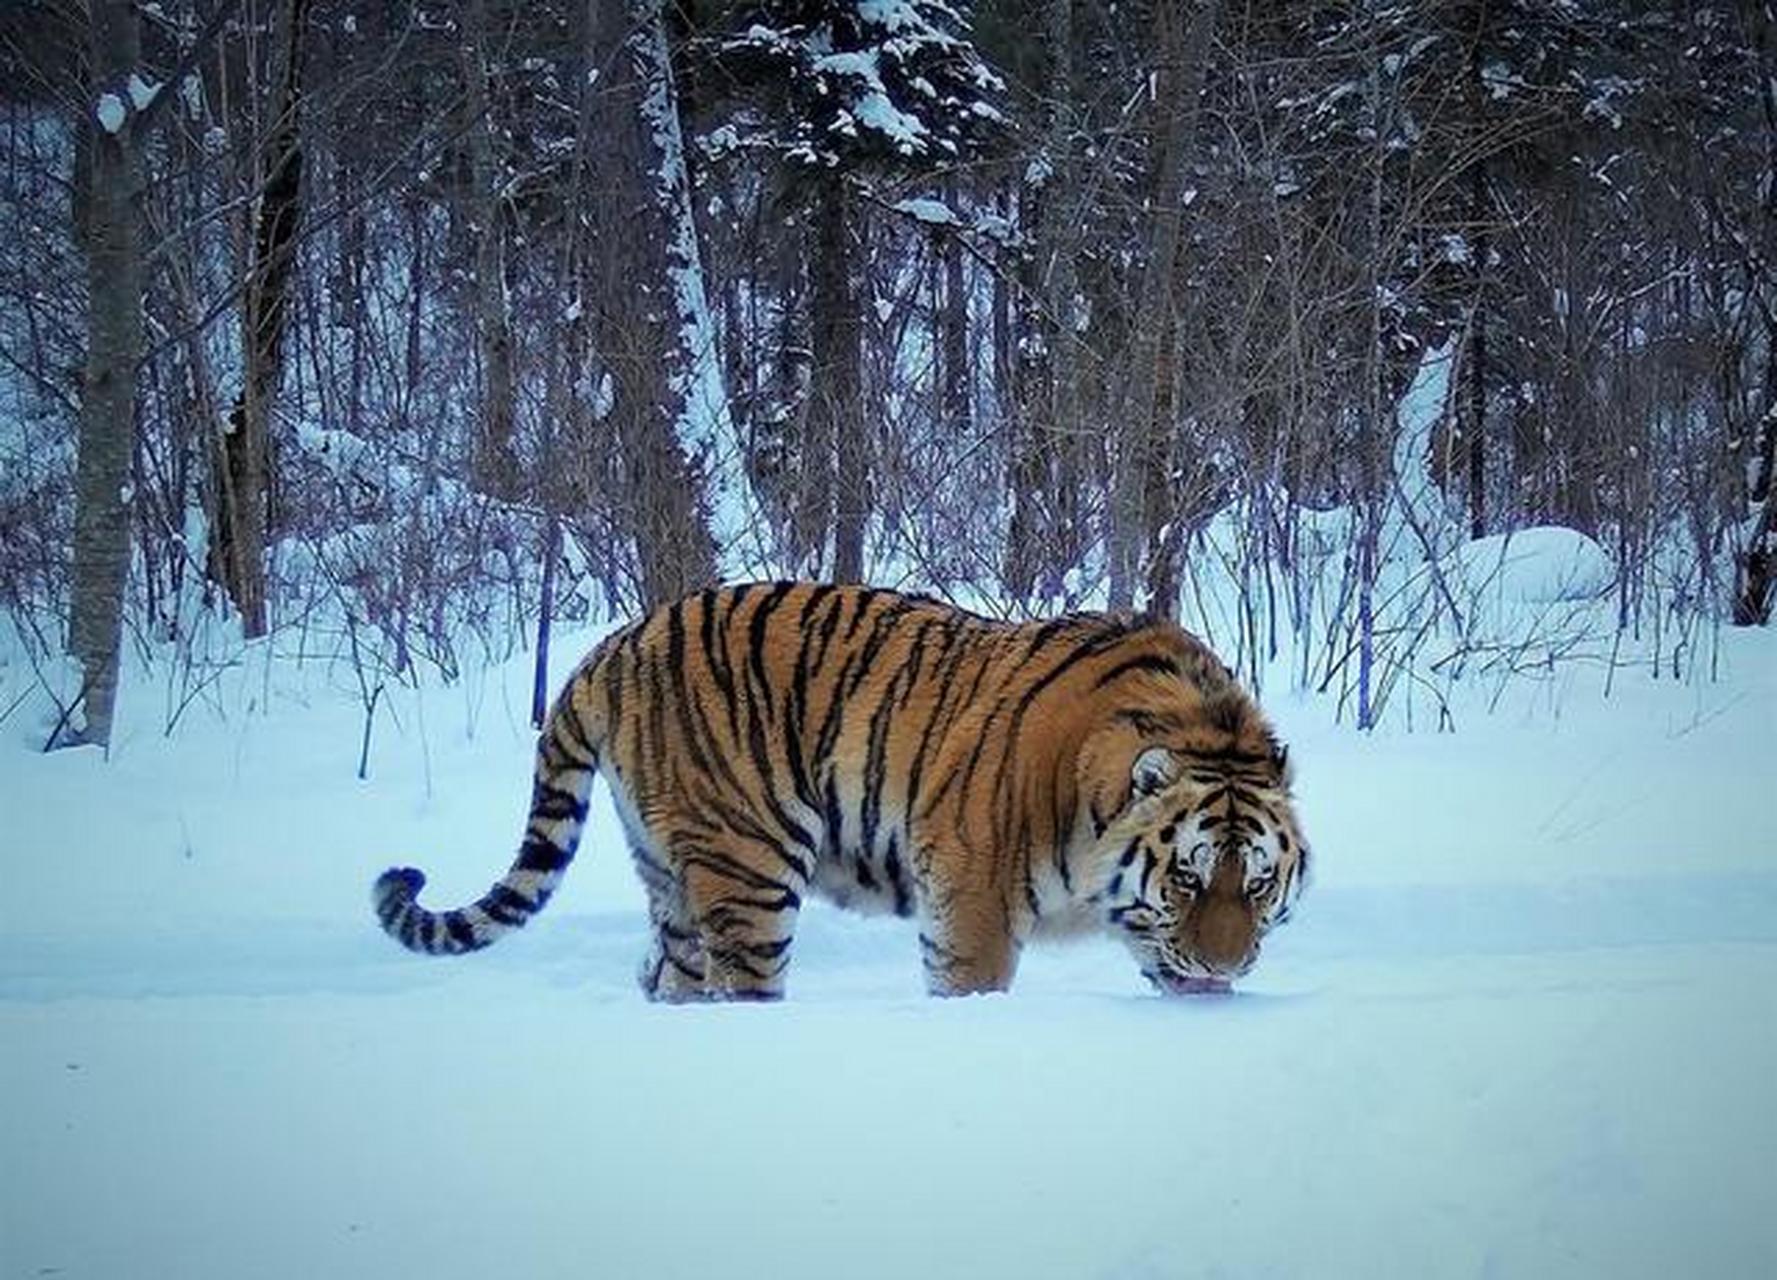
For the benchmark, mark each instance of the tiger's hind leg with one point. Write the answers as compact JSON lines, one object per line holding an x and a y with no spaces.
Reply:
{"x":673,"y":970}
{"x":743,"y":897}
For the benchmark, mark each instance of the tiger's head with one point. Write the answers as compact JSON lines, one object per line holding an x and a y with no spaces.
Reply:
{"x":1205,"y":857}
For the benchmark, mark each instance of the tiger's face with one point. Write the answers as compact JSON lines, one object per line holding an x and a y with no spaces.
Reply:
{"x":1205,"y":861}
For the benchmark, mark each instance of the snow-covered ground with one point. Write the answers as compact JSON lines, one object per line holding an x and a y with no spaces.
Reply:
{"x":1522,"y":1025}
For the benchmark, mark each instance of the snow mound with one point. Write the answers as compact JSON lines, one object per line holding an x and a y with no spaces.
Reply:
{"x":1538,"y":566}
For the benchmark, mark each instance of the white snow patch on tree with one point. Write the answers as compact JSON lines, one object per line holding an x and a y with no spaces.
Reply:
{"x":907,"y":133}
{"x":110,"y":112}
{"x":704,"y":427}
{"x":142,"y":92}
{"x":932,"y":212}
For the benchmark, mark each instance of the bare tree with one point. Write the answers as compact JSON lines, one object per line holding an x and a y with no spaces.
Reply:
{"x":655,"y":330}
{"x":495,"y":463}
{"x":835,"y":407}
{"x":1050,"y":430}
{"x":243,"y":461}
{"x":114,"y":268}
{"x":1144,"y":449}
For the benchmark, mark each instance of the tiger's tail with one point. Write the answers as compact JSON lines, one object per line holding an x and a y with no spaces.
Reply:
{"x":566,"y":765}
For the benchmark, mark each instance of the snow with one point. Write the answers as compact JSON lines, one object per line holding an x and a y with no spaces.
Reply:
{"x":191,"y":93}
{"x":110,"y":112}
{"x":142,"y":92}
{"x":1517,"y":1028}
{"x":1539,"y":566}
{"x":906,"y":133}
{"x":924,"y":209}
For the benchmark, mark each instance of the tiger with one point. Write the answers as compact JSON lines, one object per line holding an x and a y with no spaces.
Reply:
{"x":1002,"y":782}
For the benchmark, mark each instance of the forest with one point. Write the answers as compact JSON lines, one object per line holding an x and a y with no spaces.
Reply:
{"x":363,"y":362}
{"x":398,"y":333}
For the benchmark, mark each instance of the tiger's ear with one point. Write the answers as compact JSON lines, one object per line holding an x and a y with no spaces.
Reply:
{"x":1280,"y":759}
{"x":1154,"y":770}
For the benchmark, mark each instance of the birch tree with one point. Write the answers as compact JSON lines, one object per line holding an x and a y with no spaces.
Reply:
{"x":114,"y":270}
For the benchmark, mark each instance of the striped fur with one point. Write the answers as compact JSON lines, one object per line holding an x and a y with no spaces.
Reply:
{"x":1000,"y":782}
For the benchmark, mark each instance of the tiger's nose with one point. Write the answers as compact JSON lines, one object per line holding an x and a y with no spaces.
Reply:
{"x":1225,"y":940}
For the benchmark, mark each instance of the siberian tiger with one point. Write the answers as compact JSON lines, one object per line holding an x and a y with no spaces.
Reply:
{"x":998,"y":781}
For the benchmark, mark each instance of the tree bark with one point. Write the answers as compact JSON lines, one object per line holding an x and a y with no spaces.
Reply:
{"x":243,"y":462}
{"x":494,"y":466}
{"x":1144,"y":440}
{"x":1479,"y":217}
{"x":959,"y":417}
{"x":654,"y":324}
{"x":1043,"y":504}
{"x":114,"y":344}
{"x":834,"y":409}
{"x":1755,"y":569}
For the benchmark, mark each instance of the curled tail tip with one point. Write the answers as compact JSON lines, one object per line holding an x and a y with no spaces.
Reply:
{"x":397,"y":887}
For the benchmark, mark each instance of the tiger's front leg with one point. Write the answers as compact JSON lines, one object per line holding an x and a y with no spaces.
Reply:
{"x":966,"y":935}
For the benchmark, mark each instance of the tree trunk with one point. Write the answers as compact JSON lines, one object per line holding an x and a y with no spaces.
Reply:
{"x":834,"y":410}
{"x":114,"y":344}
{"x":495,"y":463}
{"x":959,"y":417}
{"x":1143,"y":447}
{"x":1373,"y":449}
{"x":1755,"y":569}
{"x":1163,"y":500}
{"x":654,"y":314}
{"x":1043,"y":503}
{"x":243,"y":481}
{"x":1475,"y":429}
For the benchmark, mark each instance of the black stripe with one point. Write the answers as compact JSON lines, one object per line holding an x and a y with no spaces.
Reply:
{"x":567,"y":726}
{"x":1150,"y":864}
{"x":955,"y":654}
{"x":1145,"y":662}
{"x":756,"y":641}
{"x":551,"y":801}
{"x":462,"y":933}
{"x":897,"y":876}
{"x":818,"y":594}
{"x":864,"y":600}
{"x":715,"y":653}
{"x":834,"y":818}
{"x":657,"y":705}
{"x":506,"y":905}
{"x":760,"y":753}
{"x":539,"y":853}
{"x":880,"y":633}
